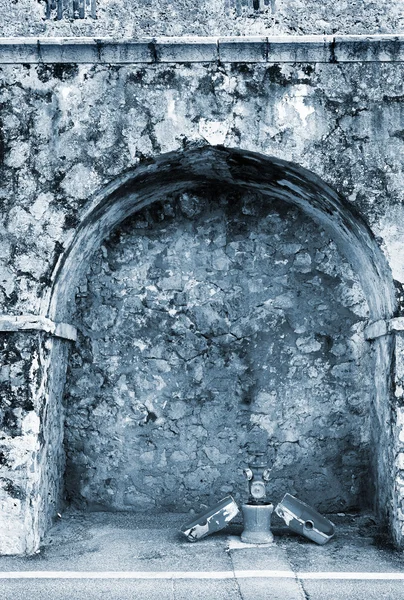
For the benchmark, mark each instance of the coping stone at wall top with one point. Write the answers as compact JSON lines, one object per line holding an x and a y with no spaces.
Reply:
{"x":275,"y":49}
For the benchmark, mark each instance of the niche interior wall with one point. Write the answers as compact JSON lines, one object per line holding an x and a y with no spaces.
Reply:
{"x":214,"y":324}
{"x":89,"y":144}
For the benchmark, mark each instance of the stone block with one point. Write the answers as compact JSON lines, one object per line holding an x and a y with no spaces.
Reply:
{"x":375,"y":48}
{"x":243,"y":49}
{"x":305,"y":48}
{"x":400,"y":461}
{"x":18,"y":50}
{"x":118,"y":52}
{"x":376,"y":329}
{"x":400,"y":425}
{"x":399,"y":359}
{"x":397,"y":324}
{"x":37,"y":323}
{"x":185,"y":49}
{"x":58,"y":50}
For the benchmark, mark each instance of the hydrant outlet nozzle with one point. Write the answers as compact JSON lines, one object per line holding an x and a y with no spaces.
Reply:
{"x":248,"y":473}
{"x":266,"y":475}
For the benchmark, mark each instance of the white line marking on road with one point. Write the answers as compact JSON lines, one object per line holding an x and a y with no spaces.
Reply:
{"x":250,"y":574}
{"x":350,"y":575}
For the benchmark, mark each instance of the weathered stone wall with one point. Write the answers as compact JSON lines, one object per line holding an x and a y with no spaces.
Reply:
{"x":31,"y":434}
{"x":68,"y":130}
{"x":128,"y":18}
{"x":18,"y":437}
{"x":63,"y":138}
{"x":212,"y":326}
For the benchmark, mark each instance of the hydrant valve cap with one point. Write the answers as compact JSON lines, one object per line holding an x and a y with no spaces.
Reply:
{"x":258,"y":489}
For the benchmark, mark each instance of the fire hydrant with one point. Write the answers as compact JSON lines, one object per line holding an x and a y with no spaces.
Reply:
{"x":257,"y":511}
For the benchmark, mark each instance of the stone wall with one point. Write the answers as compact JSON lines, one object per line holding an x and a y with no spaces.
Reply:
{"x":210,"y":327}
{"x":67,"y":131}
{"x":63,"y":139}
{"x":128,"y":18}
{"x":31,"y":435}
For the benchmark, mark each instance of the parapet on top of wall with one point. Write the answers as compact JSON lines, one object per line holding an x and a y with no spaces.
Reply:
{"x":137,"y":18}
{"x":279,"y":49}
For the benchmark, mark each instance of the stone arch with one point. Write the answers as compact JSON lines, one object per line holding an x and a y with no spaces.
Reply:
{"x":201,"y":167}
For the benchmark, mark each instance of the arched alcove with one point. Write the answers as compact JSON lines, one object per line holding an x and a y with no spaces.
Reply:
{"x":211,"y":325}
{"x":203,"y":169}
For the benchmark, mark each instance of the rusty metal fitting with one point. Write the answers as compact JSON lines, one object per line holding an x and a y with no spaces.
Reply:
{"x":257,"y":474}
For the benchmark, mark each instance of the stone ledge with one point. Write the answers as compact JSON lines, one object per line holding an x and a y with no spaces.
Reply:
{"x":276,"y":49}
{"x":10,"y":323}
{"x":184,"y":50}
{"x":306,"y":49}
{"x":379,"y":328}
{"x":243,"y":49}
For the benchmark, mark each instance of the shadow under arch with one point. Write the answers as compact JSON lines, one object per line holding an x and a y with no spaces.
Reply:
{"x":201,"y":167}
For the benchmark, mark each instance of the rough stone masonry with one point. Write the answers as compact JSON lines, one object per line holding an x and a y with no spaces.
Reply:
{"x":223,"y":299}
{"x":212,"y":327}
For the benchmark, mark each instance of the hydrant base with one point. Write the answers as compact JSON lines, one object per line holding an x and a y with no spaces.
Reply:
{"x":257,"y":523}
{"x":257,"y":538}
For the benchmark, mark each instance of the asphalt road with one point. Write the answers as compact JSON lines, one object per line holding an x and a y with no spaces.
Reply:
{"x":118,"y":556}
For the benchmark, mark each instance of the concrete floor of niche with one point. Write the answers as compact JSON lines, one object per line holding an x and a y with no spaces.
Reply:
{"x":143,"y":556}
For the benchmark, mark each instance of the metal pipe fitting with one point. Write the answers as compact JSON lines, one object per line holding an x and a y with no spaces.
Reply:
{"x":257,"y":475}
{"x":257,"y":511}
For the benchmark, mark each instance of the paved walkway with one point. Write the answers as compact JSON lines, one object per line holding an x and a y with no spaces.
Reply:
{"x":122,"y":556}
